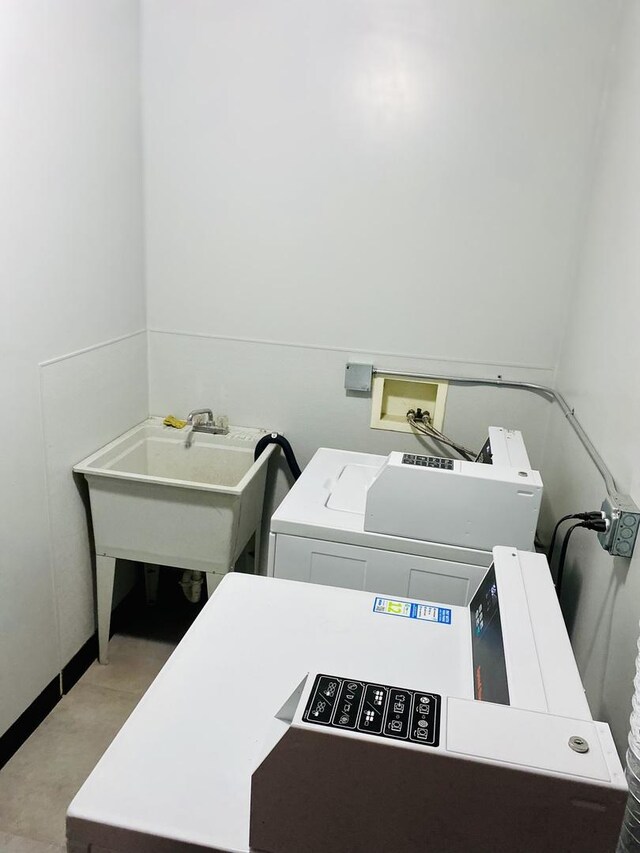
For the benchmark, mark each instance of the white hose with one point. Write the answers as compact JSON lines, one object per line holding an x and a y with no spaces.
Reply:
{"x":629,"y":841}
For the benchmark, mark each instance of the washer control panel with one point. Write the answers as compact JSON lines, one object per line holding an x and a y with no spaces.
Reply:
{"x":428,"y":461}
{"x":375,"y":709}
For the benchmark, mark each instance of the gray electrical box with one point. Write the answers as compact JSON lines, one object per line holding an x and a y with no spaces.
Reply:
{"x":624,"y":520}
{"x":357,"y":377}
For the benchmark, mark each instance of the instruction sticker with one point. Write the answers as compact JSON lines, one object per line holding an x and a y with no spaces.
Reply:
{"x":412,"y":610}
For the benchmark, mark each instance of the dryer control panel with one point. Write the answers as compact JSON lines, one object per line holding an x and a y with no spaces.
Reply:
{"x":428,"y":461}
{"x":375,"y":709}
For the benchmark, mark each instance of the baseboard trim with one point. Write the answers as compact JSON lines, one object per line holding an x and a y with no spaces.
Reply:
{"x":26,"y":724}
{"x":88,"y":653}
{"x":29,"y":720}
{"x":79,"y":664}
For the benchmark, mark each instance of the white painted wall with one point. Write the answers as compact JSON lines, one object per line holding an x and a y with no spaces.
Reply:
{"x":88,"y":399}
{"x":404,"y":183}
{"x":397,"y":177}
{"x":299,"y":391}
{"x":395,"y":182}
{"x":72,"y":268}
{"x":598,"y":373}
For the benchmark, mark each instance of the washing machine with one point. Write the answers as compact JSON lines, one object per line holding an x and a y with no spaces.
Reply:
{"x":299,"y":717}
{"x":406,"y":524}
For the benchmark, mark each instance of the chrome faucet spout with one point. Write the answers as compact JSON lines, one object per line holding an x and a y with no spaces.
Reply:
{"x":196,"y":412}
{"x":202,"y":420}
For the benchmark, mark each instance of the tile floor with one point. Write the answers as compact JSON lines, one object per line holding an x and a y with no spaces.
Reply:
{"x":41,"y":779}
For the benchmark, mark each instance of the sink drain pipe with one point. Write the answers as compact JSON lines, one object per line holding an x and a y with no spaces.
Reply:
{"x":281,"y":441}
{"x":191,"y":583}
{"x":630,"y":836}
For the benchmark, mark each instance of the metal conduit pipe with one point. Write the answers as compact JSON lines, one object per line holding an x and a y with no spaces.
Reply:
{"x":629,"y":841}
{"x":607,"y":476}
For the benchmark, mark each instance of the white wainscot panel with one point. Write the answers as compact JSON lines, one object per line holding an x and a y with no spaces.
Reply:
{"x":87,"y":400}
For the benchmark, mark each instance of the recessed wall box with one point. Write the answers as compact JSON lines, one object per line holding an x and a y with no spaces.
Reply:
{"x":393,"y":397}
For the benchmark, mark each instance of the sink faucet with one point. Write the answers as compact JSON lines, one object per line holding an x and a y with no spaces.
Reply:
{"x":196,"y":412}
{"x":202,"y":420}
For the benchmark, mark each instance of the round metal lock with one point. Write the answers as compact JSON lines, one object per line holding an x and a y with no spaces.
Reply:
{"x":578,"y":744}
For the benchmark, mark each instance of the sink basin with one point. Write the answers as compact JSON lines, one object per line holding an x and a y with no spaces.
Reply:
{"x":157,"y":501}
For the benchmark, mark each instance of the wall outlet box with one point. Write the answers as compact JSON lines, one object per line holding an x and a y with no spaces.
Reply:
{"x":357,"y":377}
{"x":393,"y":397}
{"x":624,"y":521}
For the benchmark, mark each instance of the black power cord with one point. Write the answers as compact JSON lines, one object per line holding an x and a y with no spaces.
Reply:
{"x":594,"y":515}
{"x":598,"y":524}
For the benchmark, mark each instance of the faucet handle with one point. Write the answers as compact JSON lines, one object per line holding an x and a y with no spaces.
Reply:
{"x":195,"y":412}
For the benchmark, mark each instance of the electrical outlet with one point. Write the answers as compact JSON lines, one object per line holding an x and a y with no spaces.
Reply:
{"x":624,"y":521}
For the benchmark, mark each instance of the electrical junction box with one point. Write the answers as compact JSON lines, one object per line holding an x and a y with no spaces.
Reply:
{"x":357,"y":377}
{"x":624,"y":521}
{"x":393,"y":397}
{"x":352,"y":722}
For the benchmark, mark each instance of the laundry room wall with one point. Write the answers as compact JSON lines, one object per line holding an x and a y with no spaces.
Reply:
{"x":402,"y":183}
{"x":72,"y":312}
{"x":598,"y":375}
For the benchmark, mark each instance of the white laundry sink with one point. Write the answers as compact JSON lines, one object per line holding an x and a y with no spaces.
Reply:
{"x":155,"y":500}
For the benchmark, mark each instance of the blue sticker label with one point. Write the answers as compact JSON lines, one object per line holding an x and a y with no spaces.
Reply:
{"x":412,"y":610}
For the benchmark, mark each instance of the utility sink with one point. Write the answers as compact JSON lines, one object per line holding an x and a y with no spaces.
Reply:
{"x":157,"y":501}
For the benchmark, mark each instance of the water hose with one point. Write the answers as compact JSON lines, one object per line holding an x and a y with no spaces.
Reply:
{"x":281,"y":441}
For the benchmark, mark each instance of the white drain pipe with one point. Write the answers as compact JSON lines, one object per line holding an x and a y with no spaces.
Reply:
{"x":630,"y":835}
{"x":191,"y":584}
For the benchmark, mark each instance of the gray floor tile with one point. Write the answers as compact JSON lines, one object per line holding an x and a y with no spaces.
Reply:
{"x":42,"y":778}
{"x":125,"y":644}
{"x":15,"y":844}
{"x":40,"y":781}
{"x":133,"y":664}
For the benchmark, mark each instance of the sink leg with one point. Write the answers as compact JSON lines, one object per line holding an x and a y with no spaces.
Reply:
{"x":105,"y":574}
{"x":212,"y":583}
{"x":151,"y":578}
{"x":257,"y":540}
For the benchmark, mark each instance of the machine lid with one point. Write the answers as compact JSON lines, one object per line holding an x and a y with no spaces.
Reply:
{"x":350,"y":491}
